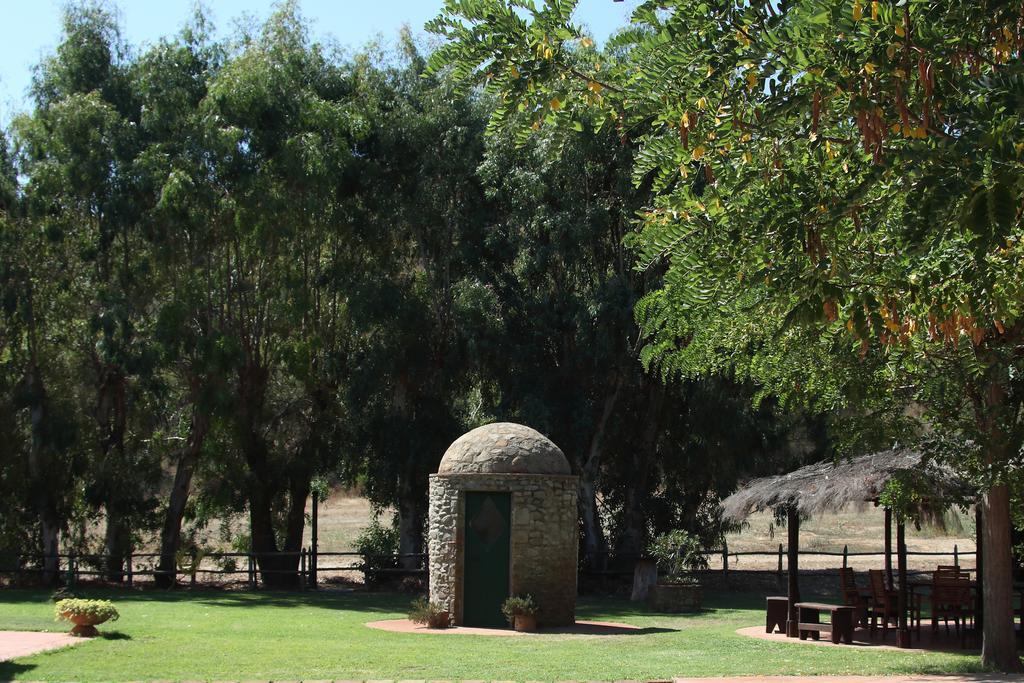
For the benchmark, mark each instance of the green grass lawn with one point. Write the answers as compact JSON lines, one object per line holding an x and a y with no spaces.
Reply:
{"x":239,"y":636}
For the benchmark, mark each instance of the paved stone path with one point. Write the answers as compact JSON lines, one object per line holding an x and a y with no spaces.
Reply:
{"x":964,"y":678}
{"x":24,"y":643}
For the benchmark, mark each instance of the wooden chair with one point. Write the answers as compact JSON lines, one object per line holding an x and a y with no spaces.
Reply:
{"x":853,"y":595}
{"x":951,"y":599}
{"x":884,"y":603}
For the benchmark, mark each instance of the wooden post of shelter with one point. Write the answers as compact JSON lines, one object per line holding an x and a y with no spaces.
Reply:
{"x":313,"y":542}
{"x":903,"y":635}
{"x":979,"y":604}
{"x":888,"y":549}
{"x":793,"y":569}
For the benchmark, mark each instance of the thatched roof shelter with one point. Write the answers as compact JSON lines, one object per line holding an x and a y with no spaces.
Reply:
{"x":830,"y":486}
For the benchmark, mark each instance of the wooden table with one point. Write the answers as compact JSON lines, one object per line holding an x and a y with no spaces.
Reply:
{"x":841,"y":616}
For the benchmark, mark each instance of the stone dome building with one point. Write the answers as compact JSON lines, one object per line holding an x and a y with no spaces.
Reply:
{"x":503,"y":522}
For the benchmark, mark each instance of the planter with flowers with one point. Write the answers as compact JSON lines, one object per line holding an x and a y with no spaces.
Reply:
{"x":85,"y":615}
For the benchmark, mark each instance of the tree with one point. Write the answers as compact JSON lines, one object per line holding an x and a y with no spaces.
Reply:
{"x":414,"y":308}
{"x":171,"y":80}
{"x":281,"y":131}
{"x":79,"y":149}
{"x":842,"y":177}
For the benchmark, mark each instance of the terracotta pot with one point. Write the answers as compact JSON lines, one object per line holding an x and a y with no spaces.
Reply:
{"x":525,"y":622}
{"x":85,"y":624}
{"x":440,"y":620}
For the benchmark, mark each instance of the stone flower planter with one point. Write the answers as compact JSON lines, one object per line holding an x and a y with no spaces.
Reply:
{"x":525,"y":623}
{"x":85,"y":624}
{"x":676,"y":597}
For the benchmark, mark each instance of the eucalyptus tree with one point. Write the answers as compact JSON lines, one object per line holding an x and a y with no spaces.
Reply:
{"x":281,"y":129}
{"x":171,"y":80}
{"x":38,"y":418}
{"x":565,"y":355}
{"x":79,"y":146}
{"x":833,"y":178}
{"x":565,"y":290}
{"x":418,"y":304}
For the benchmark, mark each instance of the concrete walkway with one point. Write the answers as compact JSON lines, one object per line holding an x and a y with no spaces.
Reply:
{"x":24,"y":643}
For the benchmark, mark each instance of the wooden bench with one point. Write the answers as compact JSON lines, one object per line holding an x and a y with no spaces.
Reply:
{"x":840,"y":626}
{"x":776,"y":613}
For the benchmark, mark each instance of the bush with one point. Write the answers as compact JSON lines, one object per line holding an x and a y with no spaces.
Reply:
{"x":432,"y":614}
{"x":378,"y":544}
{"x":677,"y":552}
{"x":98,"y":609}
{"x":514,"y":606}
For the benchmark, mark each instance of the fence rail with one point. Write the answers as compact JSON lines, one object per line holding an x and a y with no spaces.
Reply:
{"x":308,"y":564}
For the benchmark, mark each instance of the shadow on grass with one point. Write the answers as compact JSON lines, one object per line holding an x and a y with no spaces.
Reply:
{"x":605,"y":630}
{"x":363,"y":601}
{"x":370,"y":603}
{"x":114,"y":635}
{"x":588,"y":607}
{"x":592,"y":607}
{"x":8,"y":670}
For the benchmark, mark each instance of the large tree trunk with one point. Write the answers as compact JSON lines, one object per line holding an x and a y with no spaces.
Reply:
{"x":39,"y":471}
{"x":170,"y":534}
{"x":999,"y":643}
{"x":295,"y":520}
{"x":117,"y":543}
{"x":633,"y":523}
{"x":594,"y":545}
{"x":261,"y":485}
{"x":274,"y":568}
{"x":111,"y":419}
{"x":51,"y":547}
{"x":411,"y":518}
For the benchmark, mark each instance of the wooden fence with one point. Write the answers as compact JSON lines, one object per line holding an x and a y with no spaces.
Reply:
{"x":312,"y":563}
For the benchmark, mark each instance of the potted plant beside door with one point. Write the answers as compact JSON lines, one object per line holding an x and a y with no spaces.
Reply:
{"x":521,"y":613}
{"x":678,"y":554}
{"x":430,"y":614}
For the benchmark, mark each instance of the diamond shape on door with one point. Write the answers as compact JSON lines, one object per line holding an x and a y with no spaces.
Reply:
{"x":489,"y":523}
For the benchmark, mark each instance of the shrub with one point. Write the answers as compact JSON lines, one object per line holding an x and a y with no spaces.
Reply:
{"x":432,"y":614}
{"x":518,"y":605}
{"x":378,"y":544}
{"x":98,"y":609}
{"x":677,"y":552}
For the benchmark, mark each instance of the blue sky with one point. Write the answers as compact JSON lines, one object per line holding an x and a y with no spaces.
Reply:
{"x":31,"y":28}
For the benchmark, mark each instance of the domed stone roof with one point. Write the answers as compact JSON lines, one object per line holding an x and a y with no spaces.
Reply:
{"x":503,"y":448}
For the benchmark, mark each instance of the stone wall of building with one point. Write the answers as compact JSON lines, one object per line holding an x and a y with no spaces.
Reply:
{"x":544,"y":540}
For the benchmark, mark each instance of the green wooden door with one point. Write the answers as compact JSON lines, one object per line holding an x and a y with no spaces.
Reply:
{"x":486,"y":558}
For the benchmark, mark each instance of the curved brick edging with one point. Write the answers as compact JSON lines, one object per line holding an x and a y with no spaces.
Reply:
{"x":580,"y":628}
